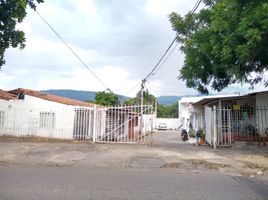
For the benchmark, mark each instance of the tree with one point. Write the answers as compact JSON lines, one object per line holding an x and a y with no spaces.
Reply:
{"x":148,"y":99}
{"x":106,"y":99}
{"x":225,"y":43}
{"x":167,"y":111}
{"x":11,"y":13}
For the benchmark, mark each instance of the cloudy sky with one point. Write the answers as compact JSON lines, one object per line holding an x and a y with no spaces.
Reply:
{"x":120,"y":40}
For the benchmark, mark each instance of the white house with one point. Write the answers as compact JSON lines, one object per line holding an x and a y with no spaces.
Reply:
{"x":31,"y":113}
{"x":25,"y":112}
{"x":191,"y":112}
{"x":228,"y":118}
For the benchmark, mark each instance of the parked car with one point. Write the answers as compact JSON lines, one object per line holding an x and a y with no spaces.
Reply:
{"x":162,"y":126}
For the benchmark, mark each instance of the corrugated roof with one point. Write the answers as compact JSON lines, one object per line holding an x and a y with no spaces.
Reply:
{"x":51,"y":97}
{"x":6,"y":96}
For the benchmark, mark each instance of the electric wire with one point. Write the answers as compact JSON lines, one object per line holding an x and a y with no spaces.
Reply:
{"x":198,"y":2}
{"x":166,"y":58}
{"x":72,"y":51}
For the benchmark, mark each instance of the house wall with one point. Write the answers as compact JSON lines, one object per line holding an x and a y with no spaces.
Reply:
{"x":23,"y":118}
{"x":148,"y":123}
{"x":186,"y":110}
{"x":262,"y":113}
{"x":172,"y":123}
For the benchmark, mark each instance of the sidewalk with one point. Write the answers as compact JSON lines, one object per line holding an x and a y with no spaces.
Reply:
{"x":168,"y":152}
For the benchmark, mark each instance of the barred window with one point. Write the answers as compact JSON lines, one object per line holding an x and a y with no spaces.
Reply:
{"x":2,"y":115}
{"x":47,"y":120}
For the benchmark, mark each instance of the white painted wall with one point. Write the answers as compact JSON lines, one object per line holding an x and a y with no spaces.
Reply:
{"x":22,"y":118}
{"x":148,"y":123}
{"x":172,"y":123}
{"x":186,"y":109}
{"x":262,"y":112}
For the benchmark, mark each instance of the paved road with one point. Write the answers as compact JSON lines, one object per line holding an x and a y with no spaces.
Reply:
{"x":167,"y":170}
{"x":44,"y":183}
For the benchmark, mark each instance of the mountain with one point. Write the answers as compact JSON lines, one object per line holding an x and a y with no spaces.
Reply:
{"x":90,"y":96}
{"x":168,"y":100}
{"x":78,"y":94}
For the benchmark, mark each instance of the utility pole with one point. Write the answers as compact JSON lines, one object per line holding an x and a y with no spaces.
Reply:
{"x":141,"y":121}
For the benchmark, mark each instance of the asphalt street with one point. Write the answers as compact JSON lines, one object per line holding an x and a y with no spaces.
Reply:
{"x":43,"y":183}
{"x":170,"y":169}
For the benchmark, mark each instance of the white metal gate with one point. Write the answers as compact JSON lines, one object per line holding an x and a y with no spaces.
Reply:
{"x":127,"y":124}
{"x":218,"y":125}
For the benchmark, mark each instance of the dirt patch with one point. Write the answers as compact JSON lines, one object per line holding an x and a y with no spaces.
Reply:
{"x":172,"y":165}
{"x":146,"y":162}
{"x":5,"y":163}
{"x":250,"y":165}
{"x":37,"y":139}
{"x":207,"y":165}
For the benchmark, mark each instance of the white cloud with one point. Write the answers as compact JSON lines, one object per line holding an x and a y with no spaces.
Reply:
{"x":120,"y":41}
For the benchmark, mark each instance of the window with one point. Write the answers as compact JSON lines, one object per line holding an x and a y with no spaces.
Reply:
{"x":2,"y":115}
{"x":47,"y":120}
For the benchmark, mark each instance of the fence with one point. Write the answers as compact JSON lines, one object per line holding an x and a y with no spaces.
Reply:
{"x":235,"y":123}
{"x":127,"y":124}
{"x":42,"y":122}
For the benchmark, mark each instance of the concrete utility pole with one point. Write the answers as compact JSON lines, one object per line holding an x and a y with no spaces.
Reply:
{"x":142,"y":89}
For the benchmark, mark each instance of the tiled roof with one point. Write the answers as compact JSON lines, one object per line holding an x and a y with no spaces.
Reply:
{"x":51,"y":97}
{"x":6,"y":96}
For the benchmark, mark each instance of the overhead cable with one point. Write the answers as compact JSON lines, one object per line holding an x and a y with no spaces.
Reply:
{"x":154,"y":70}
{"x":72,"y":51}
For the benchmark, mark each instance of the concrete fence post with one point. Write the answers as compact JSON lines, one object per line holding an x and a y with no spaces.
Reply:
{"x":214,"y":127}
{"x":94,"y":123}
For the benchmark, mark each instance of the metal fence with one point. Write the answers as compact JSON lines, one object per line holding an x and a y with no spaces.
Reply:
{"x":241,"y":123}
{"x":124,"y":124}
{"x":128,"y":124}
{"x":236,"y":123}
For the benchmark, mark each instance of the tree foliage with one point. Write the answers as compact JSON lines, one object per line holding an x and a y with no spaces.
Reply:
{"x":106,"y":99}
{"x":148,"y":99}
{"x":167,"y":111}
{"x":11,"y":13}
{"x":225,"y":43}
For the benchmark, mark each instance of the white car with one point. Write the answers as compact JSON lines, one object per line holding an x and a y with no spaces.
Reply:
{"x":162,"y":126}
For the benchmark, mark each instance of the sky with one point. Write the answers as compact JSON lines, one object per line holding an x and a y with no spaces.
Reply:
{"x":119,"y":40}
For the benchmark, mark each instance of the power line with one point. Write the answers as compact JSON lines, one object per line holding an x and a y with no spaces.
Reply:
{"x":166,"y":58}
{"x":196,"y":6}
{"x":72,"y":51}
{"x":198,"y":2}
{"x":137,"y":85}
{"x":152,"y":71}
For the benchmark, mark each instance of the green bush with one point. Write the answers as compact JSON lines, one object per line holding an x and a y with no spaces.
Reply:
{"x":200,"y":133}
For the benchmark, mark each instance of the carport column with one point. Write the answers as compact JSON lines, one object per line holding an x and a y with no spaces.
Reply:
{"x":94,"y":123}
{"x":214,"y":127}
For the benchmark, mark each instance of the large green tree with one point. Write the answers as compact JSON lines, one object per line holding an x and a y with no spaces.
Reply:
{"x":12,"y":12}
{"x":226,"y":42}
{"x":106,"y":98}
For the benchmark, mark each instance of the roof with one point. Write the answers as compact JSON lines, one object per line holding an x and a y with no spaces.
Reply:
{"x":208,"y":99}
{"x":51,"y":97}
{"x":6,"y":96}
{"x":190,"y":99}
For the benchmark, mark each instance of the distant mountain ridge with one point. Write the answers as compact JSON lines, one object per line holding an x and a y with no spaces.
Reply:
{"x":90,"y":96}
{"x":168,"y":100}
{"x":78,"y":94}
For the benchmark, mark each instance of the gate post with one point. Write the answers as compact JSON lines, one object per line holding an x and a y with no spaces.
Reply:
{"x":214,"y":127}
{"x":94,"y":123}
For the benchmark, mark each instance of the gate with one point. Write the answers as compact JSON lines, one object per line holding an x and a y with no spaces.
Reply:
{"x":127,"y":124}
{"x":224,"y":135}
{"x":83,"y":123}
{"x":218,"y":126}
